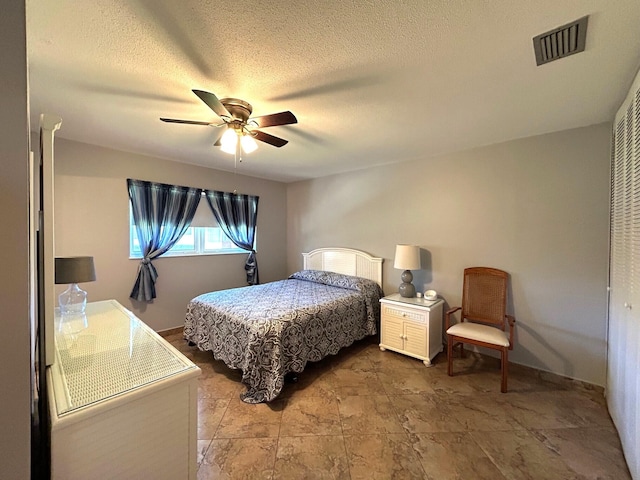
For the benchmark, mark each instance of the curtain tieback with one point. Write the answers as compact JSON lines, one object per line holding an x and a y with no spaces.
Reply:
{"x":146,"y":265}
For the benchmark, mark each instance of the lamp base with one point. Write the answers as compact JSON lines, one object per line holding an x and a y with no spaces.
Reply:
{"x":406,"y":288}
{"x":73,"y":300}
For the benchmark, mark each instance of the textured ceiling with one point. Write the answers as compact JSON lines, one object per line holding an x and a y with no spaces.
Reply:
{"x":371,"y":82}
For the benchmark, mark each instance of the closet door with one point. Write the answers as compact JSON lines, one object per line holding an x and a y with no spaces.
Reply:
{"x":623,"y":370}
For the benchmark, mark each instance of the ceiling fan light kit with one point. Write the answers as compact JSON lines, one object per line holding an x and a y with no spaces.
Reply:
{"x":248,"y":143}
{"x":228,"y":141}
{"x":241,"y":131}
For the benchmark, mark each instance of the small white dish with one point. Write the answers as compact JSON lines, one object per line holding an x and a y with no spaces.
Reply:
{"x":430,"y":295}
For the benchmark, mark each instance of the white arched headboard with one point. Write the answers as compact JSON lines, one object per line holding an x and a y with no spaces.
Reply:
{"x":346,"y":261}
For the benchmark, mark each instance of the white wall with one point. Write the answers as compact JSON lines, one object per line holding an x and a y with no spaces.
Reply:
{"x":536,"y":207}
{"x":15,"y":358}
{"x":92,"y":218}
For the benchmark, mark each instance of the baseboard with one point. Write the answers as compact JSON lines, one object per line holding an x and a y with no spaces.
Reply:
{"x":171,"y":331}
{"x":561,"y":380}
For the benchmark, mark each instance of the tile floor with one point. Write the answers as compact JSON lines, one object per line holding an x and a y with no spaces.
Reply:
{"x":367,"y":414}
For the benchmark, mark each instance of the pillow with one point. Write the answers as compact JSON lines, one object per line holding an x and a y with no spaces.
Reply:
{"x":371,"y":291}
{"x":337,"y":280}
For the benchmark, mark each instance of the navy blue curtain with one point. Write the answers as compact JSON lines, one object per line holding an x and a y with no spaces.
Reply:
{"x":237,"y":215}
{"x":161,"y":213}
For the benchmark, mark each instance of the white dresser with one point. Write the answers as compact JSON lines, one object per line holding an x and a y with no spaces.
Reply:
{"x":411,"y":326}
{"x":123,"y":401}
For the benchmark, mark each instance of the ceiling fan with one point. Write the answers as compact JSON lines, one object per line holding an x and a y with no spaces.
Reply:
{"x":241,"y":130}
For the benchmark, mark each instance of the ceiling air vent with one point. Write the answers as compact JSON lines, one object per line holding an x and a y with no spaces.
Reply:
{"x":561,"y":42}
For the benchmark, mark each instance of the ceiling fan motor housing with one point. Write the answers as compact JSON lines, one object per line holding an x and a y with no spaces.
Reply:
{"x":239,"y":109}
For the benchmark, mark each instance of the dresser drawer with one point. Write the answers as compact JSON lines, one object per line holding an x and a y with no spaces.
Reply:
{"x":403,"y":313}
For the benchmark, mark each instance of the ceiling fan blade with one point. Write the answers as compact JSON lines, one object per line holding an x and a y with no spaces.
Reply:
{"x":213,"y":103}
{"x":275,"y":119}
{"x":190,"y":122}
{"x":270,"y":139}
{"x":217,"y":143}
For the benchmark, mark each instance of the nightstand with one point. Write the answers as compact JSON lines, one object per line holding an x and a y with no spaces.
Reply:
{"x":411,"y":326}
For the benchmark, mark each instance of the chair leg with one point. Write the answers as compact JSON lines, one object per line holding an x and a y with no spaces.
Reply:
{"x":505,"y":369}
{"x":449,"y":355}
{"x":461,"y":350}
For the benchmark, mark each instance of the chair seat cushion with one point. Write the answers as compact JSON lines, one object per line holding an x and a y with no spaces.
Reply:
{"x":481,"y":333}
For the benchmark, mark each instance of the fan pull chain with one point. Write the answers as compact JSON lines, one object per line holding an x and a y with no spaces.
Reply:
{"x":235,"y":163}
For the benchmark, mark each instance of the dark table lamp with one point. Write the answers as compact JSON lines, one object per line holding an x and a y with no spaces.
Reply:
{"x":74,"y":270}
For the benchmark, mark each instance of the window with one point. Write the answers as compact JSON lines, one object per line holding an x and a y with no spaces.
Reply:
{"x":197,"y":240}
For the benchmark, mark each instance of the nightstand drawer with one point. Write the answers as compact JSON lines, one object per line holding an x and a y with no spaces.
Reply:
{"x":403,"y":313}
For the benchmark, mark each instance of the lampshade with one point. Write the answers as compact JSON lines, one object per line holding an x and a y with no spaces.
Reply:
{"x":407,"y":257}
{"x":248,"y":143}
{"x":74,"y":270}
{"x":229,"y":141}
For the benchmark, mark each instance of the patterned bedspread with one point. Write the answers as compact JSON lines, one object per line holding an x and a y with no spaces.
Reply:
{"x":272,"y":329}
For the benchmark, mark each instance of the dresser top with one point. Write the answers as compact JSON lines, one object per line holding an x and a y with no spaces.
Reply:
{"x":413,"y":301}
{"x":107,"y":352}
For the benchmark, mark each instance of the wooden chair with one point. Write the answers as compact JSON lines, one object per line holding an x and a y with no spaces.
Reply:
{"x":483,"y":319}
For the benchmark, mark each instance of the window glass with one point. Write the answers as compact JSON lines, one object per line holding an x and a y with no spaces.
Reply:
{"x":187,"y":242}
{"x":195,"y":241}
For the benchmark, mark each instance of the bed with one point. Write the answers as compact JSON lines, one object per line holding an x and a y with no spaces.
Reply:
{"x":274,"y":329}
